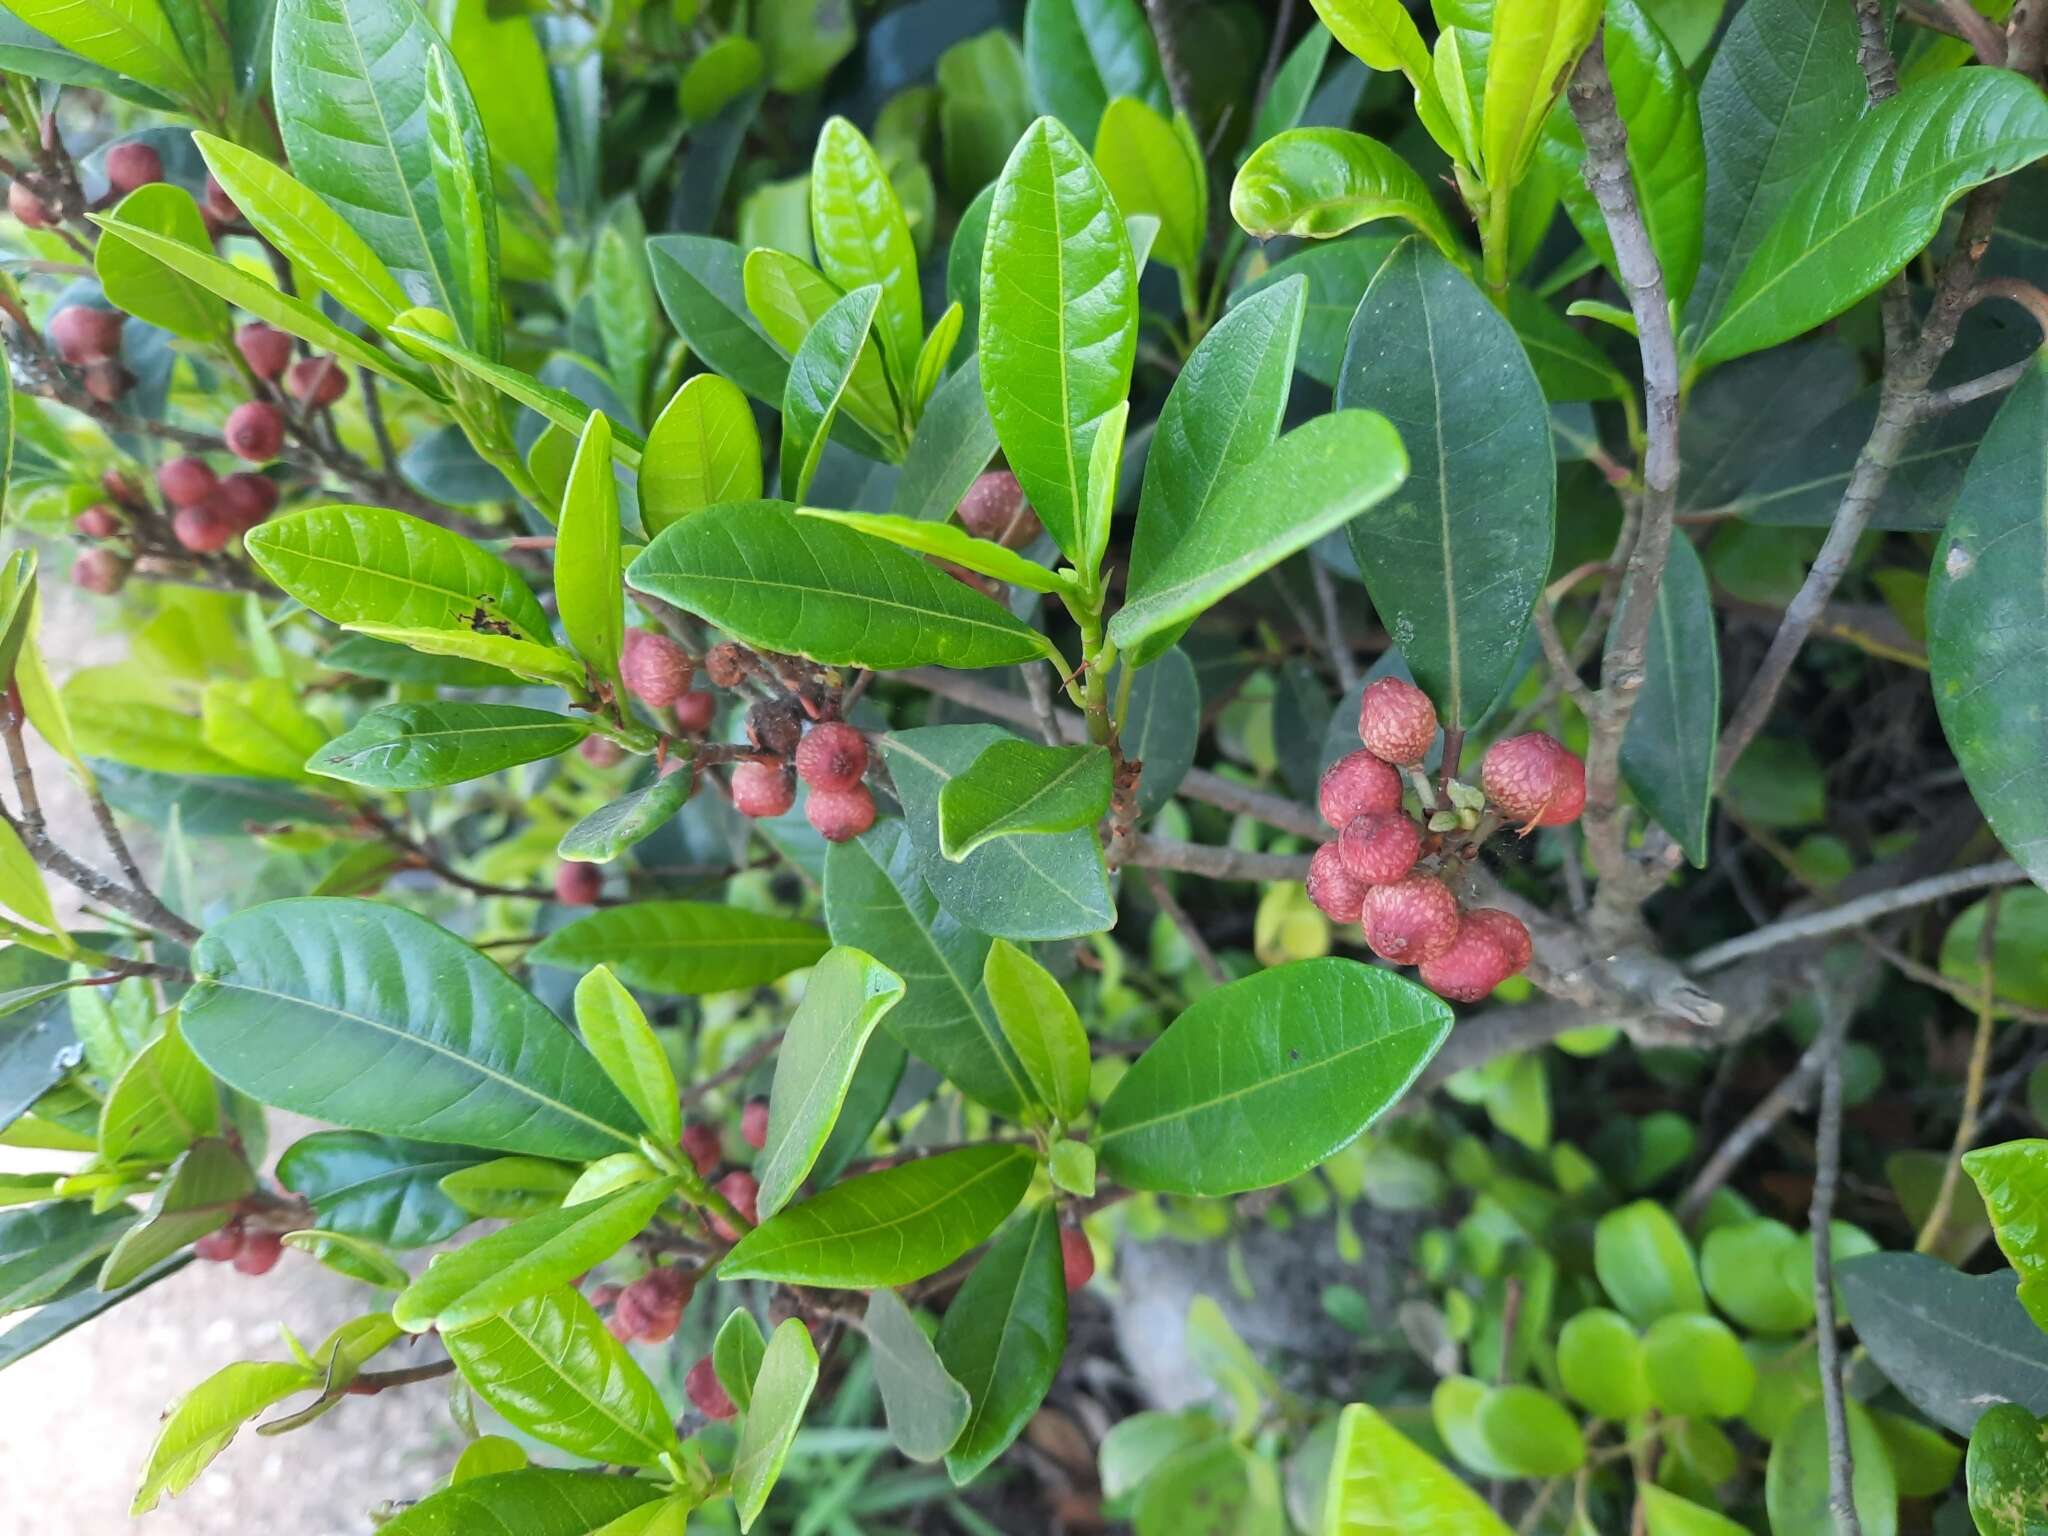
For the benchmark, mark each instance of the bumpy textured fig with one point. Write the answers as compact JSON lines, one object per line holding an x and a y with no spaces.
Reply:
{"x":82,"y":334}
{"x":101,"y":571}
{"x":703,"y":1148}
{"x":1508,"y":932}
{"x":186,"y":482}
{"x":254,"y":431}
{"x":833,"y":756}
{"x":994,"y":508}
{"x":578,"y":885}
{"x":1336,"y":892}
{"x":725,"y":664}
{"x":247,"y":498}
{"x":1410,"y":921}
{"x":706,"y":1392}
{"x":1471,"y":968}
{"x":776,"y":725}
{"x":317,"y":381}
{"x":259,"y":1253}
{"x":106,"y":380}
{"x":220,"y":1247}
{"x":217,"y":202}
{"x":132,"y":165}
{"x":650,"y":1308}
{"x":762,"y":789}
{"x":266,"y":349}
{"x":1534,"y":780}
{"x":1396,"y":721}
{"x":203,"y":529}
{"x":754,"y":1124}
{"x":97,"y":522}
{"x":656,"y":670}
{"x":600,"y":752}
{"x":33,"y":212}
{"x":695,"y":711}
{"x":744,"y":1193}
{"x":1077,"y":1258}
{"x":840,"y":814}
{"x":1380,"y":848}
{"x":1358,"y":785}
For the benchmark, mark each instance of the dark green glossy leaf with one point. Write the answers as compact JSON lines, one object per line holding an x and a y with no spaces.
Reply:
{"x":611,"y":829}
{"x":1162,"y":726}
{"x":2008,"y":1472}
{"x":818,"y":376}
{"x":551,"y":1367}
{"x":1338,"y":273}
{"x":890,"y":1227}
{"x":1264,"y":1078}
{"x":699,"y":282}
{"x":1667,"y":755}
{"x":786,"y":583}
{"x":1018,"y":787}
{"x":952,"y":445}
{"x":369,"y":1017}
{"x":1568,"y":365}
{"x":1003,"y":1336}
{"x":1456,"y":560}
{"x":1875,"y":201}
{"x":684,"y":947}
{"x":79,"y":1302}
{"x":1952,"y":1343}
{"x":1080,"y":53}
{"x":1986,"y":604}
{"x":533,"y":1502}
{"x":876,"y":899}
{"x":847,"y":995}
{"x":379,"y":1187}
{"x":926,"y":1407}
{"x":1030,"y":887}
{"x":422,"y":746}
{"x":1059,"y":320}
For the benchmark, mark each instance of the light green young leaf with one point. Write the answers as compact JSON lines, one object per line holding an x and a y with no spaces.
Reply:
{"x":1017,"y":787}
{"x":703,"y":451}
{"x":198,"y":1194}
{"x":528,"y":659}
{"x":925,"y":1406}
{"x":684,"y":947}
{"x":736,"y":1356}
{"x":1533,"y":46}
{"x":536,"y":1502}
{"x":818,"y":376}
{"x":199,"y":1425}
{"x":1382,"y":1484}
{"x":949,"y":542}
{"x":134,"y":280}
{"x":260,"y":725}
{"x":788,"y":297}
{"x":1098,"y":505}
{"x":2013,"y":1178}
{"x":356,"y":1257}
{"x":587,"y":564}
{"x":1320,"y":182}
{"x":130,"y":37}
{"x":507,"y":1188}
{"x":467,"y":202}
{"x":863,"y":238}
{"x":611,"y":829}
{"x":625,"y":1045}
{"x":934,"y":356}
{"x":495,"y":1273}
{"x":22,"y":890}
{"x":845,"y":998}
{"x":890,"y":1227}
{"x":1645,"y":1263}
{"x":1039,"y":1021}
{"x":162,"y":1102}
{"x":1153,"y":167}
{"x":1058,"y":320}
{"x":782,"y":1390}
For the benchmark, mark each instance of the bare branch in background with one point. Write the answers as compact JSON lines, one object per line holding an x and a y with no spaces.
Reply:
{"x":1820,"y":1223}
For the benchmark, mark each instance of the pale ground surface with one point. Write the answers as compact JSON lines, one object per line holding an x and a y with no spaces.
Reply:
{"x":77,"y":1417}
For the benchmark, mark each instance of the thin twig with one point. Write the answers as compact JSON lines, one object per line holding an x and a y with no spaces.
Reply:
{"x":1854,"y":914}
{"x":1973,"y":1084}
{"x":1963,"y":993}
{"x":1164,"y":899}
{"x":1786,"y":1095}
{"x":1148,"y":852}
{"x":1820,"y":1224}
{"x":755,"y":1054}
{"x":1341,"y":658}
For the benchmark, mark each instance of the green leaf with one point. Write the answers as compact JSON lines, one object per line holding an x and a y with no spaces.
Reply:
{"x":1529,"y":57}
{"x":1311,"y":482}
{"x":684,"y":947}
{"x":1071,"y":1165}
{"x":495,"y":1273}
{"x":1456,"y":561}
{"x":2007,"y":1474}
{"x":1660,"y":106}
{"x":299,"y":223}
{"x":425,"y":745}
{"x":506,"y":1188}
{"x":1600,"y":1363}
{"x":703,"y":450}
{"x":357,"y":565}
{"x":984,"y":106}
{"x":1696,"y":1367}
{"x":1262,"y":1079}
{"x":135,"y":281}
{"x":1876,"y":201}
{"x":862,"y":239}
{"x":1051,"y":886}
{"x":1042,"y":1027}
{"x":780,"y":582}
{"x":1796,"y":1477}
{"x":379,"y":1187}
{"x":1293,"y":87}
{"x":952,"y":446}
{"x":369,"y":1017}
{"x":1018,"y":787}
{"x":536,"y":662}
{"x":877,"y":900}
{"x":43,"y":1246}
{"x":557,"y":406}
{"x":349,"y":82}
{"x":925,"y":1406}
{"x":2013,"y":1178}
{"x":350,"y":1256}
{"x":129,"y":37}
{"x":890,"y":1227}
{"x":1645,"y":1263}
{"x":788,"y":298}
{"x":1783,"y":81}
{"x":587,"y":562}
{"x":782,"y":1390}
{"x":260,"y":726}
{"x":818,"y":377}
{"x":736,"y":1355}
{"x":699,"y":283}
{"x":1531,"y":1432}
{"x":1223,"y":412}
{"x":1318,"y":182}
{"x":550,"y":1366}
{"x":1003,"y":1336}
{"x":1215,"y":1482}
{"x":625,"y":1045}
{"x":1985,"y":600}
{"x":1081,"y":53}
{"x":1669,"y":1515}
{"x":199,"y":1425}
{"x":487,"y":1455}
{"x":946,"y":541}
{"x":1952,"y":1343}
{"x":1667,"y":754}
{"x":1382,"y":1484}
{"x":535,"y":1502}
{"x":611,"y":829}
{"x":847,"y":995}
{"x":1059,"y":320}
{"x":1746,"y":1273}
{"x":623,"y":293}
{"x":199,"y":1193}
{"x":1153,"y":166}
{"x":932,"y":357}
{"x":1161,"y":726}
{"x":506,"y":53}
{"x":162,"y":1102}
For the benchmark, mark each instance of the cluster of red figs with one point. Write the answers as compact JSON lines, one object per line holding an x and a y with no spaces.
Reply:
{"x":1385,"y":868}
{"x":253,"y":1251}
